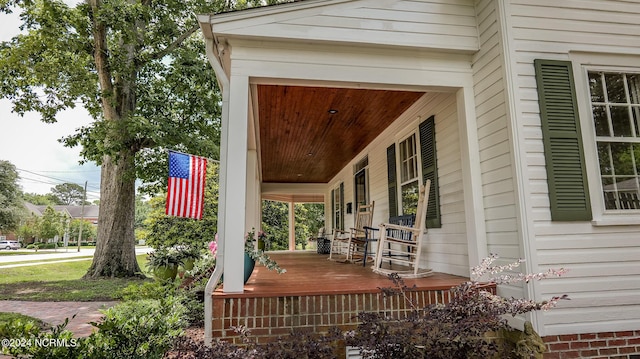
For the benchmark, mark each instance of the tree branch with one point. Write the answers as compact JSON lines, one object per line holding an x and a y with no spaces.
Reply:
{"x":175,"y":44}
{"x":101,"y":60}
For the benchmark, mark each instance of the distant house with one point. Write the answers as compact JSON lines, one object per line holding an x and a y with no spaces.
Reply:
{"x":523,"y":114}
{"x":90,"y":213}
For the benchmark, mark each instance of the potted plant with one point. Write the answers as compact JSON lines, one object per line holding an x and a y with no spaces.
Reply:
{"x":164,"y":262}
{"x":263,"y":241}
{"x":254,"y":253}
{"x":251,"y":255}
{"x":188,"y":256}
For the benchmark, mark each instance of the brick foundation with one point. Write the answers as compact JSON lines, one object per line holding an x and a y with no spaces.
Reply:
{"x":623,"y":344}
{"x":270,"y":317}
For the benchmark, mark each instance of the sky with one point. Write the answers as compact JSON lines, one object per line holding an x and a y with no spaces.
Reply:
{"x":32,"y":146}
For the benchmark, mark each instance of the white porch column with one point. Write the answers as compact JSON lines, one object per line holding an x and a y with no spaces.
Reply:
{"x":471,"y":175}
{"x":292,"y":227}
{"x":253,"y":219}
{"x":235,"y":185}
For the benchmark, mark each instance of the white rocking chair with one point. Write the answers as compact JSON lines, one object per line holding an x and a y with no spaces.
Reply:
{"x":402,"y":245}
{"x":345,"y":243}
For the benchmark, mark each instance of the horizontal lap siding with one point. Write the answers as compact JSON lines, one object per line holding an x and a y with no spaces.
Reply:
{"x":603,"y":262}
{"x":495,"y":148}
{"x":447,"y":246}
{"x":435,"y":24}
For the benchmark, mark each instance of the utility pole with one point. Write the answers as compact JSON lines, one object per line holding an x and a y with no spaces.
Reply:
{"x":84,"y":199}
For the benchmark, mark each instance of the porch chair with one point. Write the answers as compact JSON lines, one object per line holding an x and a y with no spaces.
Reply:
{"x":346,"y":243}
{"x":402,"y":244}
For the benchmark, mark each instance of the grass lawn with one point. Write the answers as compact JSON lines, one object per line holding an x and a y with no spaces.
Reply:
{"x":60,"y":282}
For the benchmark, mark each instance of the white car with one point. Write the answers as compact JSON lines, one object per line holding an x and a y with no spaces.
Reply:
{"x":4,"y":244}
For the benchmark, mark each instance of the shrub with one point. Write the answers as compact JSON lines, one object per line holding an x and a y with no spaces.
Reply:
{"x":146,"y":290}
{"x":456,"y":330}
{"x":28,"y":340}
{"x":137,"y":329}
{"x":51,"y":245}
{"x":297,"y":345}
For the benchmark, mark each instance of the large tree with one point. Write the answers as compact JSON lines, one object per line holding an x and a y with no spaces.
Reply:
{"x":68,"y":194}
{"x":139,"y":68}
{"x":40,"y":199}
{"x":11,"y":207}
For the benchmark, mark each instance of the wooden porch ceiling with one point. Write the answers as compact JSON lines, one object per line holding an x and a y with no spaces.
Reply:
{"x":303,"y":141}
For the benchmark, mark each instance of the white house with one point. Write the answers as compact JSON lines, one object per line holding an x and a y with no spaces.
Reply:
{"x":524,"y":113}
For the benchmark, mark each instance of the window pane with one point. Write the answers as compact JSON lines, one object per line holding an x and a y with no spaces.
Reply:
{"x":361,"y":188}
{"x":408,"y":157}
{"x":620,"y":120}
{"x":410,"y":198}
{"x":605,"y":160}
{"x":622,"y":194}
{"x":412,"y":167}
{"x":595,"y":87}
{"x":615,"y":88}
{"x":622,"y":160}
{"x":635,"y":114}
{"x":633,"y":81}
{"x":636,"y":156}
{"x":600,"y":121}
{"x":609,"y":193}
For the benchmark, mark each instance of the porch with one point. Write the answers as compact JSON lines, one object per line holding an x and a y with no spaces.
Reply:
{"x":315,"y":294}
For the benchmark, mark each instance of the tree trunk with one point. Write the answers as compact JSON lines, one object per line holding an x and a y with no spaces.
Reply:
{"x":115,"y":246}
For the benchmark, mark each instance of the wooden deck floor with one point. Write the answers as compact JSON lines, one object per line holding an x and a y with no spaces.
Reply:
{"x":309,"y":273}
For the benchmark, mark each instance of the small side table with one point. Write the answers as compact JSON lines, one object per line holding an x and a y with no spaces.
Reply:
{"x":370,"y":235}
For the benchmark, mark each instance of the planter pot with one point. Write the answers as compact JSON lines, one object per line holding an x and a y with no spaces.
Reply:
{"x":249,"y":264}
{"x":166,"y":272}
{"x":188,"y":264}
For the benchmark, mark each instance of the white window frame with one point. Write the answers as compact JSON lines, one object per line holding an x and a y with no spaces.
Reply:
{"x":365,"y":172}
{"x":337,"y":207}
{"x":399,"y":167}
{"x":583,"y":63}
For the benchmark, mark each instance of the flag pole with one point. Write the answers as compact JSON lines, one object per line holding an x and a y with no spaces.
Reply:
{"x":189,"y":154}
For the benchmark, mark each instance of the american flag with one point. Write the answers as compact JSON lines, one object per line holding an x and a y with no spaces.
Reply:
{"x":185,"y":192}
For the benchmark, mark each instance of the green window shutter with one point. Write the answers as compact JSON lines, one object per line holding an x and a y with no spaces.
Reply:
{"x":427,"y":130}
{"x":391,"y":176}
{"x":564,"y":155}
{"x":341,"y":205}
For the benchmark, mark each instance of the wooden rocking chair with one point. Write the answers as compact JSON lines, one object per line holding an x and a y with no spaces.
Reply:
{"x":402,"y":245}
{"x":345,"y":243}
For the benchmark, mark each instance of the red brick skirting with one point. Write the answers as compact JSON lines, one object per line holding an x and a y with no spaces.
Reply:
{"x":623,"y":344}
{"x":270,"y":317}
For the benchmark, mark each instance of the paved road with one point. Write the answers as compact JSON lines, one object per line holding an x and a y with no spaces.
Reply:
{"x":63,"y":255}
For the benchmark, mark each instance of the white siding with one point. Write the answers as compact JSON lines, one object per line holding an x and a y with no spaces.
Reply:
{"x":603,"y":261}
{"x":446,"y":249}
{"x":495,"y":146}
{"x":434,"y":24}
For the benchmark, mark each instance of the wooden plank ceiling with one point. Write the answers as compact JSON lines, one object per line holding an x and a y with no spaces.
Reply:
{"x":303,"y":141}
